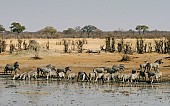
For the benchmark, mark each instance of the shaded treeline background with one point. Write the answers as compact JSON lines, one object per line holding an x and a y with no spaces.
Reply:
{"x":88,"y":31}
{"x":80,"y":34}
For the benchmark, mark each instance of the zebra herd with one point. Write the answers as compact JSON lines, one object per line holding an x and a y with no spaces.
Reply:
{"x":150,"y":71}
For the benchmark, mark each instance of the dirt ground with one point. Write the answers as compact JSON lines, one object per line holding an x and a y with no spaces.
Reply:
{"x":81,"y":61}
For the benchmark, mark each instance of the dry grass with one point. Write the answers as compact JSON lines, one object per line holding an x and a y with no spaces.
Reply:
{"x":83,"y":61}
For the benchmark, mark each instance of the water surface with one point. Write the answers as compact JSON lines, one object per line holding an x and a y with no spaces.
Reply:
{"x":63,"y":93}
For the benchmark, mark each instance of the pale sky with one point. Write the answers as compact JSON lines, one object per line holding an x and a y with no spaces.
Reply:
{"x":107,"y":15}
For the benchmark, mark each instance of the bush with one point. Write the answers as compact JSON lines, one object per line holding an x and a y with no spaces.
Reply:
{"x":34,"y":45}
{"x":125,"y":57}
{"x":80,"y":44}
{"x":65,"y":43}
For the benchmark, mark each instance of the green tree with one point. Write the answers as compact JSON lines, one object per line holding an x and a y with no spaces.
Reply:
{"x":50,"y":30}
{"x":89,"y":29}
{"x":17,"y":27}
{"x":142,"y":28}
{"x":69,"y":31}
{"x":138,"y":28}
{"x":2,"y":29}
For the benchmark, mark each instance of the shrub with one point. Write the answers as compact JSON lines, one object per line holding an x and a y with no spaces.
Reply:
{"x":65,"y":43}
{"x":80,"y":44}
{"x":125,"y":57}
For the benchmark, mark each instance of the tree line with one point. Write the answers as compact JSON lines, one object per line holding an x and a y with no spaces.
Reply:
{"x":88,"y":31}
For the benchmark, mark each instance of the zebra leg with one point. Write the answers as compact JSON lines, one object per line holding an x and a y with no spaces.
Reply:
{"x":151,"y":79}
{"x":96,"y":79}
{"x":47,"y":76}
{"x":83,"y":77}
